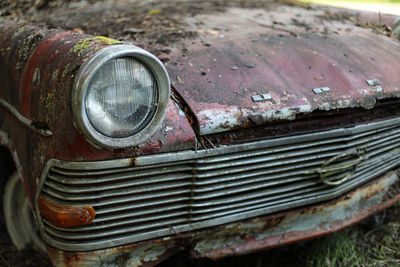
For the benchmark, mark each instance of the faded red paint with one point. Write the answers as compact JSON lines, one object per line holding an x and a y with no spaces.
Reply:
{"x":49,"y":101}
{"x":27,"y":86}
{"x":288,"y":65}
{"x":217,"y":76}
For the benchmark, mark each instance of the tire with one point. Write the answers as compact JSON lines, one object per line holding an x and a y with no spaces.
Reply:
{"x":20,"y":222}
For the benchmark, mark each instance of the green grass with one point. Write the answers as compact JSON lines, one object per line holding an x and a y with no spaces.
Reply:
{"x":337,"y":250}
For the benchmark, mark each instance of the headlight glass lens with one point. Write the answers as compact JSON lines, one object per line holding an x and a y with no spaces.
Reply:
{"x":121,"y":98}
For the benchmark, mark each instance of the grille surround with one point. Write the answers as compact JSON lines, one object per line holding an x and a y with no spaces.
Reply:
{"x":206,"y":175}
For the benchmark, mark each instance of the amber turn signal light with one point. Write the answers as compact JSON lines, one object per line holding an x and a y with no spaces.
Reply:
{"x":65,"y":216}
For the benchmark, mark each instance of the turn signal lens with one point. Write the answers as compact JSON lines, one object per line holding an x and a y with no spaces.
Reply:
{"x":65,"y":216}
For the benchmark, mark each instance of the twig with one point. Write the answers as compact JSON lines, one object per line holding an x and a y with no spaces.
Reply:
{"x":202,"y":144}
{"x":209,"y":141}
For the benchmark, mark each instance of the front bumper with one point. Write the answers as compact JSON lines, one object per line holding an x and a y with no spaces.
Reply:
{"x":251,"y":235}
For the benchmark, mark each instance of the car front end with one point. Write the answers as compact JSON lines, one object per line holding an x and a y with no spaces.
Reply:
{"x":251,"y":135}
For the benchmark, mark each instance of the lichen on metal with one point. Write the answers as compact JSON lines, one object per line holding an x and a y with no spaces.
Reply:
{"x":84,"y":44}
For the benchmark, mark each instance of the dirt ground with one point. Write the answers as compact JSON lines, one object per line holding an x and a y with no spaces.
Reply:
{"x":375,"y":242}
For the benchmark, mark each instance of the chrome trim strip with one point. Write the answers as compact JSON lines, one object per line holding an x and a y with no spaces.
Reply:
{"x":185,"y":155}
{"x":23,"y":120}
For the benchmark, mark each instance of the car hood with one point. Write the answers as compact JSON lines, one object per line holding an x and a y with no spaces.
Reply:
{"x":246,"y":67}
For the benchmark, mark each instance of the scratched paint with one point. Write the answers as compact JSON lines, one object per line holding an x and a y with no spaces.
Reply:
{"x":40,"y":89}
{"x":38,"y":67}
{"x":291,"y":57}
{"x":131,"y":255}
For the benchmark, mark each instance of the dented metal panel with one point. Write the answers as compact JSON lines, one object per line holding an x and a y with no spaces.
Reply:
{"x":289,"y":57}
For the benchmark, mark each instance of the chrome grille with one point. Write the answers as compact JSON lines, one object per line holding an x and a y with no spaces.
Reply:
{"x":166,"y":194}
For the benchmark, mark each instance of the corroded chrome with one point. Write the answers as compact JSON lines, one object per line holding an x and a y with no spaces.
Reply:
{"x":85,"y":75}
{"x":165,"y":194}
{"x":373,"y":82}
{"x":23,"y":120}
{"x":321,"y":90}
{"x":263,"y":97}
{"x":332,"y":173}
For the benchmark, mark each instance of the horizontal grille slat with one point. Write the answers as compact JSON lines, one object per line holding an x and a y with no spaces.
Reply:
{"x":99,"y":225}
{"x":126,"y":175}
{"x":137,"y":191}
{"x":250,"y":199}
{"x":102,"y":234}
{"x":184,"y":191}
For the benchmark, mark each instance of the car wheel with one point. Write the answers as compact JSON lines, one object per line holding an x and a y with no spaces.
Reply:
{"x":20,"y":222}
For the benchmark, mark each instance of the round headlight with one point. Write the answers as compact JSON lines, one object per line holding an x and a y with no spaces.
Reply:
{"x":120,"y":96}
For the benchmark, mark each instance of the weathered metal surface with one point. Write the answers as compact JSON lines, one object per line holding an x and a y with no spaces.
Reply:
{"x":252,"y":235}
{"x":26,"y":122}
{"x":282,"y":56}
{"x":302,"y":224}
{"x":285,"y":52}
{"x":37,"y":71}
{"x":146,"y":254}
{"x":191,"y":190}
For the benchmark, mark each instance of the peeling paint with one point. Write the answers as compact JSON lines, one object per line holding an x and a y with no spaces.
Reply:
{"x":130,"y":255}
{"x":328,"y":60}
{"x":298,"y":225}
{"x":220,"y":101}
{"x":224,"y":118}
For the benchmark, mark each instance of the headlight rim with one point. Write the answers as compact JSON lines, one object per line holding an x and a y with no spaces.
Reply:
{"x":86,"y":73}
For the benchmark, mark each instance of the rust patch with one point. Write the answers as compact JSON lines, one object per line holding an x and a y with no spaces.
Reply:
{"x":71,"y":258}
{"x":300,"y":224}
{"x":175,"y":95}
{"x":272,"y":222}
{"x":255,"y":234}
{"x":133,"y":162}
{"x":140,"y":254}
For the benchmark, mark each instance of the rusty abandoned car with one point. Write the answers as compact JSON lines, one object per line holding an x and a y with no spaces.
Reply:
{"x":251,"y":128}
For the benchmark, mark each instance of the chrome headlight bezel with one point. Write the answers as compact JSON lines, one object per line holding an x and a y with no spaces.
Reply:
{"x":86,"y":73}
